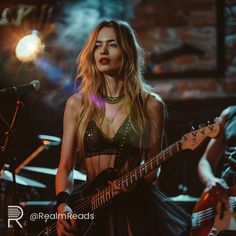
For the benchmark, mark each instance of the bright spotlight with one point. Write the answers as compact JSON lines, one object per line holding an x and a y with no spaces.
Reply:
{"x":29,"y":47}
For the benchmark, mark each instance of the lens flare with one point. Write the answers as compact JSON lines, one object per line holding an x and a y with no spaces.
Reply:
{"x":29,"y":47}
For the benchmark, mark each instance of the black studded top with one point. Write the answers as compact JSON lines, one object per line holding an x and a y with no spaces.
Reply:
{"x":96,"y":142}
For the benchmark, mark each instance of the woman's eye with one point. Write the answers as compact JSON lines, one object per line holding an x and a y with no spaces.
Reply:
{"x":97,"y":46}
{"x":113,"y":45}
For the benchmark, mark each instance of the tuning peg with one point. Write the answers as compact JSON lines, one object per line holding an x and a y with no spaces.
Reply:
{"x":193,"y":131}
{"x":217,"y":120}
{"x":201,"y":125}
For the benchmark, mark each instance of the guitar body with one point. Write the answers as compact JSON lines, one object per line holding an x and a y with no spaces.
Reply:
{"x":215,"y":218}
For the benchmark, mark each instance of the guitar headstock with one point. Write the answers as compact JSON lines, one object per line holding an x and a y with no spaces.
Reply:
{"x":194,"y":138}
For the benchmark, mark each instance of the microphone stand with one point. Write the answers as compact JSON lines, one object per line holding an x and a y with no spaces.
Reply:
{"x":5,"y":152}
{"x":8,"y":134}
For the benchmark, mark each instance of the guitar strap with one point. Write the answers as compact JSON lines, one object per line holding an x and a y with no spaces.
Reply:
{"x":122,"y":153}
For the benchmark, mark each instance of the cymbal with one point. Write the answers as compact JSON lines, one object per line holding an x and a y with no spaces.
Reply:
{"x":184,"y":198}
{"x":49,"y":140}
{"x":50,"y":171}
{"x":38,"y":203}
{"x":7,"y":175}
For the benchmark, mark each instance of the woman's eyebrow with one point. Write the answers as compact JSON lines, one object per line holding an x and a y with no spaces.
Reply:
{"x":107,"y":40}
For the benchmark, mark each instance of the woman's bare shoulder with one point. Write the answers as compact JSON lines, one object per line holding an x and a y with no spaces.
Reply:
{"x":154,"y":101}
{"x":224,"y":114}
{"x":74,"y":102}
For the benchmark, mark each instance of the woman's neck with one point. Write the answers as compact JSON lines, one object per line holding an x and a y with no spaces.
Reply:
{"x":114,"y":86}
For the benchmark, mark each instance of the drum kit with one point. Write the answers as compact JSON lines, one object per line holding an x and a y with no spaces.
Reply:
{"x":28,"y":183}
{"x":6,"y":175}
{"x":186,"y":201}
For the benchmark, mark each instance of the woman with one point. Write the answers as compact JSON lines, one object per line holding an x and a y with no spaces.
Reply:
{"x":115,"y":116}
{"x":213,"y":167}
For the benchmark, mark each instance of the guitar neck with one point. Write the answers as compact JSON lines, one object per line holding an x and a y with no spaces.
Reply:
{"x":144,"y":169}
{"x":105,"y":195}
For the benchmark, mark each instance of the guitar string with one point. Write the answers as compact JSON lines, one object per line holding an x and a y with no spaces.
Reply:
{"x":131,"y":172}
{"x":95,"y":196}
{"x":109,"y":189}
{"x":100,"y":194}
{"x":207,"y":214}
{"x":201,"y":219}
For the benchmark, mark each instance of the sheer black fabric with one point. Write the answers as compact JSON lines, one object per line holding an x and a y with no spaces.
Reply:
{"x":144,"y":211}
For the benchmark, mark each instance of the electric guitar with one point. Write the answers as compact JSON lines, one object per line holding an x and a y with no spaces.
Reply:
{"x":210,"y":215}
{"x":98,"y":193}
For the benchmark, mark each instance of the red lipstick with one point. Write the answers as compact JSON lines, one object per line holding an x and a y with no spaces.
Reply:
{"x":104,"y":61}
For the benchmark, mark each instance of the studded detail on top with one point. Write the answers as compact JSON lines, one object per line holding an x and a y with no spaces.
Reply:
{"x":96,"y":142}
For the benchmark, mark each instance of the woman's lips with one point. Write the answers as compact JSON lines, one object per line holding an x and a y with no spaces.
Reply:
{"x":104,"y":61}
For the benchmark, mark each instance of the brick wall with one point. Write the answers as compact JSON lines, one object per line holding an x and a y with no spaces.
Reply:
{"x":165,"y":25}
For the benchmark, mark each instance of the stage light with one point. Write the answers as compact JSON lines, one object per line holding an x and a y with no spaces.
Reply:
{"x":29,"y":47}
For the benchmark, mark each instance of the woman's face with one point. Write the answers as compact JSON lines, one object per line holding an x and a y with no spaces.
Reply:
{"x":107,"y":53}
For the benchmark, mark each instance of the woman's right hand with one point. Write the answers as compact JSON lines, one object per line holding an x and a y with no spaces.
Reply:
{"x":216,"y":181}
{"x":218,"y":187}
{"x":66,"y":225}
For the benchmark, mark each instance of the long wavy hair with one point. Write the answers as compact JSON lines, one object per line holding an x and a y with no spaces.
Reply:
{"x":93,"y":86}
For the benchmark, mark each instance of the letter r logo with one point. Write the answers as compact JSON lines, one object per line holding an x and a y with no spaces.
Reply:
{"x":15,"y":213}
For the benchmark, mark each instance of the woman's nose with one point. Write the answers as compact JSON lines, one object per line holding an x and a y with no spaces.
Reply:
{"x":104,"y":50}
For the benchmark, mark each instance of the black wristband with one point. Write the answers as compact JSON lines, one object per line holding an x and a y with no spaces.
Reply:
{"x":63,"y":197}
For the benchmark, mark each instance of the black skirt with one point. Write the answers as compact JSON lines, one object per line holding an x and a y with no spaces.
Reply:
{"x":144,"y":211}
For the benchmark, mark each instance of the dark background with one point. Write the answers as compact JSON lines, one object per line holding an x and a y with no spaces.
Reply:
{"x":192,"y":97}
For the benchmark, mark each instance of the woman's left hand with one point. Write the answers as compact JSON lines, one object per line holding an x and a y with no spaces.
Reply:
{"x":117,"y":188}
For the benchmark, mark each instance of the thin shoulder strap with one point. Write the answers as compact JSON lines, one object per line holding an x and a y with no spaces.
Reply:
{"x":121,"y":155}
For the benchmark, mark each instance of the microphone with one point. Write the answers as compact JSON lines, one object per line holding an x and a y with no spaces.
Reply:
{"x":33,"y":86}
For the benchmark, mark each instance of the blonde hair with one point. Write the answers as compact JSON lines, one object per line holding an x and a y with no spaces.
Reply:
{"x":93,"y":82}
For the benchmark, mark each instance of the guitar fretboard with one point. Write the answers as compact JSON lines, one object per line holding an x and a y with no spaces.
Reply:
{"x":105,"y":195}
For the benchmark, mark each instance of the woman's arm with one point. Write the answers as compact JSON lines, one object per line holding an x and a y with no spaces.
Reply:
{"x":211,"y":157}
{"x":64,"y":177}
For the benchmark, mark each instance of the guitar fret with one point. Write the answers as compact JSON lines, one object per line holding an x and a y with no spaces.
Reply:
{"x":96,"y":204}
{"x":106,"y":196}
{"x":142,"y":170}
{"x":151,"y":164}
{"x":177,"y":145}
{"x":93,"y":206}
{"x":99,"y":201}
{"x":131,"y":178}
{"x":145,"y":169}
{"x":126,"y":182}
{"x":109,"y":195}
{"x":102,"y":197}
{"x":161,"y":158}
{"x":113,"y":192}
